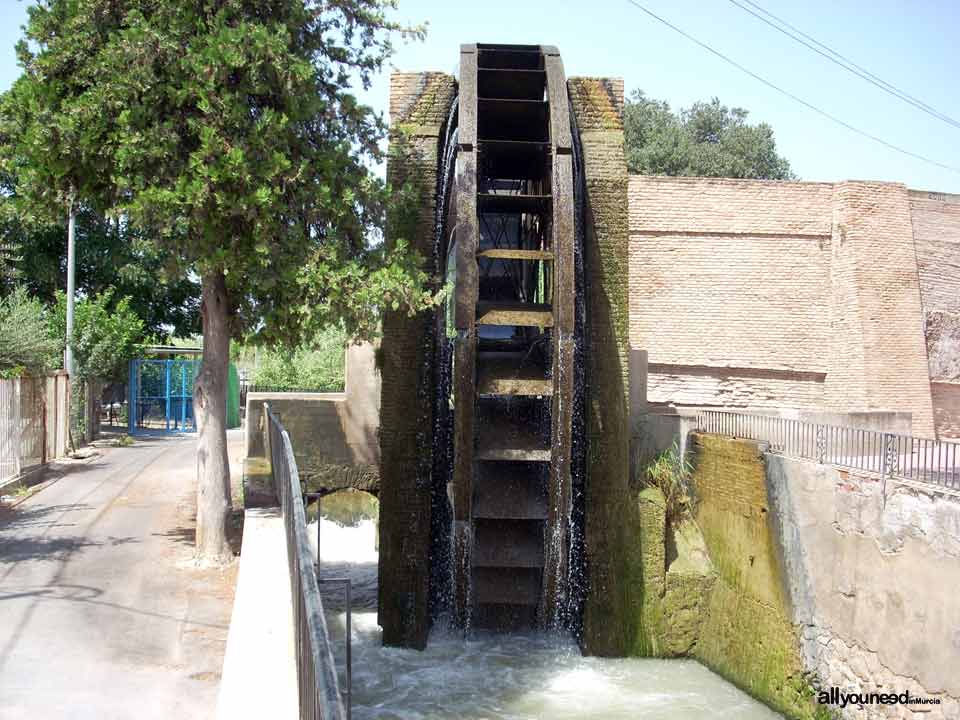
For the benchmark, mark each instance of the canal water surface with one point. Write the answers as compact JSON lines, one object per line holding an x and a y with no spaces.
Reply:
{"x":490,"y":676}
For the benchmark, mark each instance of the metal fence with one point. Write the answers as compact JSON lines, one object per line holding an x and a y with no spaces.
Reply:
{"x":161,"y":395}
{"x":33,"y":422}
{"x":316,"y":673}
{"x":888,"y":454}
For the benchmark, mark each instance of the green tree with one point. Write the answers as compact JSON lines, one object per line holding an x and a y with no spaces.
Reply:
{"x":26,"y":343}
{"x":317,"y":365}
{"x":109,"y":254}
{"x":228,"y":128}
{"x":707,"y":139}
{"x":107,"y":334}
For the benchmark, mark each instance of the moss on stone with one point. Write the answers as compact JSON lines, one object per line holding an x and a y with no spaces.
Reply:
{"x":713,"y":588}
{"x":747,"y":634}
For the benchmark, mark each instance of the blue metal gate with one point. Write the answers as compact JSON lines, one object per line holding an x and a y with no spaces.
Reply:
{"x":161,"y":395}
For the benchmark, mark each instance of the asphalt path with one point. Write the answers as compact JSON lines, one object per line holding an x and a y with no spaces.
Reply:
{"x":103,"y":612}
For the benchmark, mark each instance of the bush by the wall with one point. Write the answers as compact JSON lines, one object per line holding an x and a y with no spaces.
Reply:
{"x":317,"y":366}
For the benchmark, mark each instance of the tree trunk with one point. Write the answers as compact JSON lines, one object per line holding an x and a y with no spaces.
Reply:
{"x":210,"y":411}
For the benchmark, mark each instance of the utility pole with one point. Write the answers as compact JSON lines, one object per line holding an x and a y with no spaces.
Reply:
{"x":71,"y":283}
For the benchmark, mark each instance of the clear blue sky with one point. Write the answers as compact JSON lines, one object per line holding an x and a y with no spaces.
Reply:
{"x":913,"y":45}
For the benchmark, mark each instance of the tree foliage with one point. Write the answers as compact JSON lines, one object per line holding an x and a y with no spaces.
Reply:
{"x":107,"y":334}
{"x":109,"y":254}
{"x":317,"y":366}
{"x":26,"y":342}
{"x":707,"y":139}
{"x":228,"y":129}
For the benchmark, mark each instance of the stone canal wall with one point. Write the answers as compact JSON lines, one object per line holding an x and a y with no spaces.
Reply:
{"x":873,"y":576}
{"x":717,"y":591}
{"x":793,"y":577}
{"x":334,"y":435}
{"x":419,"y":106}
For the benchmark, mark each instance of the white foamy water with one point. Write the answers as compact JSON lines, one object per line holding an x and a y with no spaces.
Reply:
{"x":345,"y":544}
{"x":502,"y":677}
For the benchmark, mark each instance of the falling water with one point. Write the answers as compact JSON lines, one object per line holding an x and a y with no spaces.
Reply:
{"x":576,"y":581}
{"x":441,"y":585}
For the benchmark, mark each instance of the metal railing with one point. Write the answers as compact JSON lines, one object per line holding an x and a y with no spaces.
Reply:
{"x":316,"y":673}
{"x":890,"y":455}
{"x":347,"y":584}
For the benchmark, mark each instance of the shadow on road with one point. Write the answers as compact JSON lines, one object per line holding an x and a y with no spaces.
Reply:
{"x":90,"y":595}
{"x":17,"y":545}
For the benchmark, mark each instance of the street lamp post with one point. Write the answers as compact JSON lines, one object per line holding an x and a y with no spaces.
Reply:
{"x":71,"y":283}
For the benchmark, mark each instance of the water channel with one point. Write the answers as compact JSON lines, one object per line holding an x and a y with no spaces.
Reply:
{"x":490,"y":676}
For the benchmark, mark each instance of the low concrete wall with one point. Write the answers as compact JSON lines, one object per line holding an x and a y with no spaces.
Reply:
{"x":259,"y":677}
{"x":873,"y":583}
{"x":334,"y":435}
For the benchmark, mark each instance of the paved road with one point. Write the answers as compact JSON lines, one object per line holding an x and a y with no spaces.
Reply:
{"x":102,"y":612}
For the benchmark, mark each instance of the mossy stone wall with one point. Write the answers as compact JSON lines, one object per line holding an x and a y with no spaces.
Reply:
{"x":419,"y":105}
{"x":746,"y":633}
{"x":608,"y":607}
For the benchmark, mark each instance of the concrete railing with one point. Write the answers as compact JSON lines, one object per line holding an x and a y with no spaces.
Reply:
{"x":319,"y":691}
{"x":890,"y":455}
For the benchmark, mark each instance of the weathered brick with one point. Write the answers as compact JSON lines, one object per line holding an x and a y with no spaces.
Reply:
{"x":770,"y":294}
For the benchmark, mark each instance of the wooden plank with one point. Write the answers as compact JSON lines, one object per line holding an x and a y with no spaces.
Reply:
{"x":507,"y":544}
{"x":467,"y":234}
{"x":511,"y":83}
{"x":498,"y":442}
{"x":508,"y":377}
{"x":510,"y":204}
{"x":464,"y":398}
{"x":520,"y":586}
{"x":511,"y":254}
{"x":514,"y":313}
{"x":509,"y":492}
{"x":562,"y":241}
{"x":560,"y":135}
{"x":462,"y":544}
{"x":467,"y":123}
{"x":559,"y":494}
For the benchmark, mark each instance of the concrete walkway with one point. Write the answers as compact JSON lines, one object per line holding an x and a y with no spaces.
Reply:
{"x":260,"y":669}
{"x":103,"y":614}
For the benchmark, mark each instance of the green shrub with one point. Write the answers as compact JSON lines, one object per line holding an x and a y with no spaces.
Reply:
{"x":27,"y":343}
{"x":671,"y":472}
{"x":317,"y":366}
{"x":107,"y":334}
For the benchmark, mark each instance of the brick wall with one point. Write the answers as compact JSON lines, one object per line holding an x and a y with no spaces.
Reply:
{"x":762,"y":294}
{"x":724,"y":319}
{"x":936,"y":235}
{"x":873,"y":220}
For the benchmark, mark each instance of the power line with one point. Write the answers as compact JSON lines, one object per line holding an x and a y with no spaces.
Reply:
{"x":790,"y":95}
{"x":837,"y":59}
